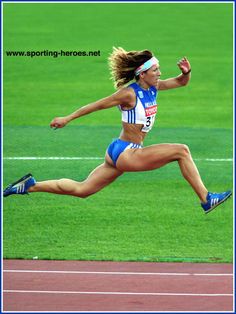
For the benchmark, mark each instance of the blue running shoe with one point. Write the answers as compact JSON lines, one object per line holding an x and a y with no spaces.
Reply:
{"x":21,"y":186}
{"x":215,"y":199}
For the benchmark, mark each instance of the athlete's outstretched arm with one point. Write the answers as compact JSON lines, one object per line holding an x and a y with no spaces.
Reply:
{"x":180,"y":80}
{"x":124,"y":96}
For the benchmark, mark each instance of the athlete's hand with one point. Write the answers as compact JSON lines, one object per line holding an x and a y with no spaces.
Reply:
{"x":184,"y":65}
{"x":58,"y":122}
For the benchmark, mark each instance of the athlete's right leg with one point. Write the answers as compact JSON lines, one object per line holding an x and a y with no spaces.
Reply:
{"x":156,"y":156}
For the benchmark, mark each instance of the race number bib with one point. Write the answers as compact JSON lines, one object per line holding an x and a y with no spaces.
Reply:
{"x":150,"y":113}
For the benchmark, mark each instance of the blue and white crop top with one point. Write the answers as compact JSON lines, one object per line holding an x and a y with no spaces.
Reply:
{"x":145,"y":109}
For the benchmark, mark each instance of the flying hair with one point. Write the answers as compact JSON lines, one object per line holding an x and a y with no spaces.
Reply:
{"x":122,"y":64}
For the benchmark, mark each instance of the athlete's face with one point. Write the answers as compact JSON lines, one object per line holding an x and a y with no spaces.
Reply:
{"x":152,"y":75}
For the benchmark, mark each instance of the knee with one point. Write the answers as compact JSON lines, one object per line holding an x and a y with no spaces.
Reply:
{"x":84,"y":195}
{"x":184,"y":151}
{"x":83,"y":192}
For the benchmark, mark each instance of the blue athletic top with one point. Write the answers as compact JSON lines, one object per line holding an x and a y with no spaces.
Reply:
{"x":145,"y":108}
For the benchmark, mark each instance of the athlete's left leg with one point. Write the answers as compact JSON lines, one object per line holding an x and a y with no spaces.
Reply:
{"x":100,"y":177}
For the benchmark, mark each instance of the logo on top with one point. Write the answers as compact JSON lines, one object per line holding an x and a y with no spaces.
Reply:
{"x":140,"y":94}
{"x":150,"y":111}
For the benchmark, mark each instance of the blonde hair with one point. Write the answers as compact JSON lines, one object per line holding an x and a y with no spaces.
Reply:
{"x":123,"y":63}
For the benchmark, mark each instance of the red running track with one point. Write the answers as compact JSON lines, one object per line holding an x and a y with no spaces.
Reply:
{"x":35,"y":285}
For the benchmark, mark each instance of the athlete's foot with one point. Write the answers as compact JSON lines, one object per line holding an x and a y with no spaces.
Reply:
{"x":21,"y":186}
{"x":214,"y":200}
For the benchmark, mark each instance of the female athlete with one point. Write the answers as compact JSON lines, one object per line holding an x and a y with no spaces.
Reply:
{"x":137,"y":103}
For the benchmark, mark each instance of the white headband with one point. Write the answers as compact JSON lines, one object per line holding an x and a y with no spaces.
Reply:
{"x":147,"y":65}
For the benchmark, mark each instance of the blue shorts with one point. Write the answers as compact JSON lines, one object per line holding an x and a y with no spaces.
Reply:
{"x":118,"y":146}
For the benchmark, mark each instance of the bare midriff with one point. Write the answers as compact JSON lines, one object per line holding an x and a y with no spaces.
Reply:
{"x":132,"y":133}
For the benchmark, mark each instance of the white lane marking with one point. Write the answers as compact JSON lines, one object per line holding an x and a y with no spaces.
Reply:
{"x":111,"y":273}
{"x":52,"y":158}
{"x":98,"y":158}
{"x":214,"y":159}
{"x":123,"y":293}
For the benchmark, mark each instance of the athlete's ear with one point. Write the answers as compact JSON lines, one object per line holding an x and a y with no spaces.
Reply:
{"x":142,"y":74}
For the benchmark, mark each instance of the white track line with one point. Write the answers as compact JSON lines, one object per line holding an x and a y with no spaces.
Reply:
{"x":52,"y":158}
{"x":99,"y":158}
{"x":109,"y":273}
{"x":124,"y":293}
{"x":214,"y":159}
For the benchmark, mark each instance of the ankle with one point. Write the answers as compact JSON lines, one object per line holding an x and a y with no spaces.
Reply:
{"x":32,"y":188}
{"x":203,"y":197}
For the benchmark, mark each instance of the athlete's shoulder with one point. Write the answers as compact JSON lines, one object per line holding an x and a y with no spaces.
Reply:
{"x":126,"y":91}
{"x":126,"y":95}
{"x":134,"y":86}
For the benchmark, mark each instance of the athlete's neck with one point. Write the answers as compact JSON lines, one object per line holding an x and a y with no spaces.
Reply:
{"x":143,"y":85}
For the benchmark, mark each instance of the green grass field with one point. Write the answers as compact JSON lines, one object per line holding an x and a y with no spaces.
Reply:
{"x":148,"y":216}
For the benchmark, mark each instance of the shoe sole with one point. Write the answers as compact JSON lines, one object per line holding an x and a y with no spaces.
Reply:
{"x":209,"y":210}
{"x":25,"y":178}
